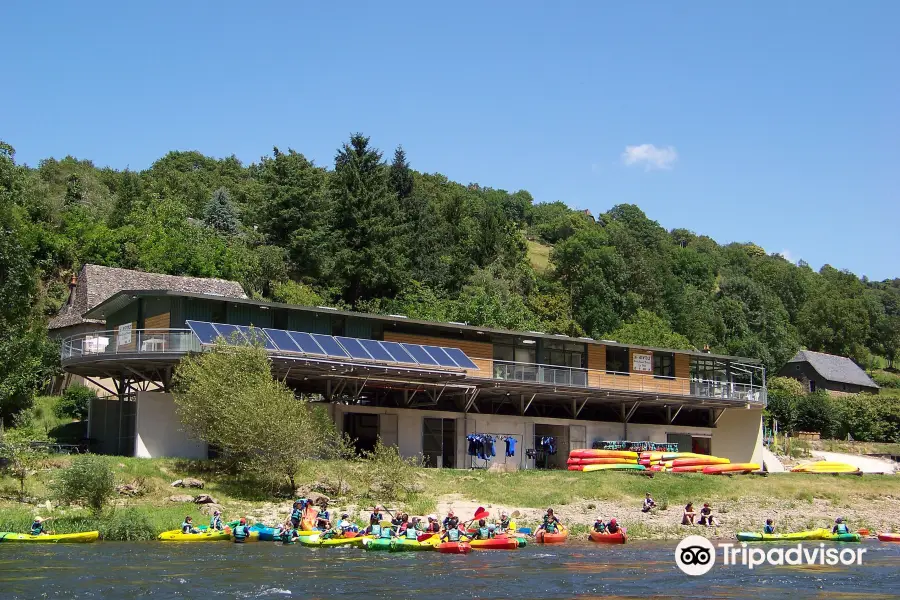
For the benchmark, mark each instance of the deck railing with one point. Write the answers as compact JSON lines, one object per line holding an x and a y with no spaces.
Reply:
{"x":135,"y":341}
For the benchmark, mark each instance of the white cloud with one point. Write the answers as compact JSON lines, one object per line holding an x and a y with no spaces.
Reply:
{"x":788,"y":256}
{"x":650,"y":156}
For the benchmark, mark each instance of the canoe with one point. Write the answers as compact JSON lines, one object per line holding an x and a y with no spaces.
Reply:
{"x":607,"y":538}
{"x":497,"y":543}
{"x":843,"y":537}
{"x":591,"y":453}
{"x":607,"y":460}
{"x":813,"y":534}
{"x":889,"y":537}
{"x":383,"y":544}
{"x":689,"y":469}
{"x":454,"y":547}
{"x":266,"y":534}
{"x":175,"y":535}
{"x":543,"y":537}
{"x":316,"y":541}
{"x":405,"y":545}
{"x":731,"y":469}
{"x":83,"y":537}
{"x":629,"y":467}
{"x":825,"y":468}
{"x":693,"y":461}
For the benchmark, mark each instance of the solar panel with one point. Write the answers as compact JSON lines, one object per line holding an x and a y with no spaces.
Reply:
{"x":329,"y":345}
{"x":353,"y":346}
{"x":306,"y":342}
{"x":204,"y":331}
{"x":231,"y":333}
{"x":440,"y":356}
{"x":418,"y":352}
{"x":282,"y":340}
{"x":460,"y":358}
{"x":376,"y":351}
{"x":257,"y":336}
{"x":398,"y":352}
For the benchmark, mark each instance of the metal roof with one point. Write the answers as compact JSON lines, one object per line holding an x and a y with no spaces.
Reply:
{"x":125,"y":297}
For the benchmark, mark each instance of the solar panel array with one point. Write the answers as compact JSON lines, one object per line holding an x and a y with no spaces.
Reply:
{"x":337,"y":347}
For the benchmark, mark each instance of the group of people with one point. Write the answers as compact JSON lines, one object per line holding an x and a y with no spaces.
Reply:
{"x":706,"y":517}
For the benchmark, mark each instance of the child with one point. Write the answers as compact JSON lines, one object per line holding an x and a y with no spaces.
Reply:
{"x":188,"y":525}
{"x":297,"y":514}
{"x":770,"y":527}
{"x":287,"y":533}
{"x":687,"y":518}
{"x":599,"y":525}
{"x":613,"y":526}
{"x":706,"y":517}
{"x":649,"y":503}
{"x":215,"y":522}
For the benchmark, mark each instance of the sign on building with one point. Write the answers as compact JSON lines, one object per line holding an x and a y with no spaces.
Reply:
{"x":124,"y":337}
{"x":642,"y":363}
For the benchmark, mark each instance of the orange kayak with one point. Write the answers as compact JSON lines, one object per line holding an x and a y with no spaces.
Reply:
{"x":543,"y":537}
{"x":603,"y":460}
{"x":688,"y":469}
{"x":607,"y":538}
{"x":889,"y":537}
{"x":454,"y":547}
{"x":731,"y":469}
{"x":694,"y":461}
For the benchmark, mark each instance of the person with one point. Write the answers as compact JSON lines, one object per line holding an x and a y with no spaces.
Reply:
{"x":550,"y":525}
{"x":416,"y":523}
{"x":483,"y":532}
{"x":404,"y":523}
{"x":187,"y":526}
{"x":215,"y":521}
{"x":376,"y":516}
{"x":687,"y":517}
{"x":553,"y":517}
{"x":451,"y":522}
{"x":241,"y":532}
{"x":287,"y":533}
{"x":37,"y":526}
{"x":839,"y":526}
{"x":453,"y":535}
{"x":323,"y":519}
{"x":386,"y":533}
{"x":397,"y":520}
{"x":410,"y":532}
{"x":649,"y":503}
{"x":613,"y":526}
{"x":770,"y":527}
{"x":433,"y":526}
{"x":297,"y":514}
{"x":706,"y":516}
{"x":599,"y":525}
{"x":506,"y":524}
{"x":346,"y":525}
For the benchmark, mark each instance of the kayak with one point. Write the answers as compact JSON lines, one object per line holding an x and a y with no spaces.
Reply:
{"x":813,"y":534}
{"x":497,"y":543}
{"x":591,"y":453}
{"x":266,"y":534}
{"x":175,"y":535}
{"x":405,"y":545}
{"x":543,"y":537}
{"x":688,"y":469}
{"x":454,"y":547}
{"x":882,"y":537}
{"x":601,"y":461}
{"x":317,"y":541}
{"x":694,"y":461}
{"x":825,"y":468}
{"x":731,"y":469}
{"x":370,"y":543}
{"x":57,"y":538}
{"x":628,"y":467}
{"x":843,"y":537}
{"x":607,"y":538}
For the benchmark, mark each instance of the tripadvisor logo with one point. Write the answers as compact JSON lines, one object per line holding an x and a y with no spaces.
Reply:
{"x":695,"y":555}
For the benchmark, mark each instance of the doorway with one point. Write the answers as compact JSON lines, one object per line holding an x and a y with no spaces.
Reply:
{"x":439,"y":442}
{"x":362,"y":429}
{"x":560,"y":437}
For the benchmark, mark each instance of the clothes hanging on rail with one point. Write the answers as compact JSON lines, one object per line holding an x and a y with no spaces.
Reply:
{"x":510,"y":446}
{"x":481,"y":446}
{"x":548,"y":445}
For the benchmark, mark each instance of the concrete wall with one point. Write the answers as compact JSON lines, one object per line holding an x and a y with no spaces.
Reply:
{"x":158,"y":430}
{"x":738,"y":435}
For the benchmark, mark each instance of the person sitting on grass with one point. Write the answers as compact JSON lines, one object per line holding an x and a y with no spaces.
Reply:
{"x":770,"y":527}
{"x":706,"y":516}
{"x":37,"y":526}
{"x":649,"y":503}
{"x":188,"y":525}
{"x":215,"y":521}
{"x":687,"y":518}
{"x":599,"y":525}
{"x":840,"y":527}
{"x":613,"y":527}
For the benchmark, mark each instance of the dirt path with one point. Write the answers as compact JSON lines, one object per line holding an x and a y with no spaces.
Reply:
{"x":866,"y":464}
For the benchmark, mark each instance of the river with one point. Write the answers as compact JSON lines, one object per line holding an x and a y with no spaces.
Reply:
{"x":270,"y":570}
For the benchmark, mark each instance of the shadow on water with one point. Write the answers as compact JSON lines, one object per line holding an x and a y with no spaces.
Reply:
{"x":224,"y":570}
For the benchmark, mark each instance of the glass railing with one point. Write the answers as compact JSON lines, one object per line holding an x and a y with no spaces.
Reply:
{"x":135,"y":341}
{"x":552,"y":375}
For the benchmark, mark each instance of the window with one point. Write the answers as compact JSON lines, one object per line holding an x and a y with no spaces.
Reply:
{"x":616,"y":360}
{"x":812,"y":386}
{"x":515,"y":351}
{"x":663,"y":364}
{"x":563,"y":354}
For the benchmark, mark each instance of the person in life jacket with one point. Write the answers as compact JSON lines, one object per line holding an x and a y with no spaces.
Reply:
{"x":410,"y":533}
{"x":483,"y":532}
{"x":506,"y":524}
{"x":770,"y":527}
{"x":287,"y":533}
{"x":376,"y":516}
{"x":346,"y":525}
{"x":297,"y":514}
{"x":433,"y":526}
{"x":451,"y":521}
{"x":613,"y":526}
{"x":549,"y":525}
{"x":187,"y":526}
{"x":839,"y":526}
{"x":323,"y":519}
{"x":37,"y":526}
{"x":215,"y":521}
{"x":453,"y":535}
{"x":241,"y":532}
{"x":599,"y":525}
{"x":397,"y":520}
{"x":387,"y":533}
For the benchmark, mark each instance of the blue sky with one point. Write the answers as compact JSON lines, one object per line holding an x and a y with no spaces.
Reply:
{"x":772,"y":122}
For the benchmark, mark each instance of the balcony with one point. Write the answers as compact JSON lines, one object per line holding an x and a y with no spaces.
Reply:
{"x":137,"y":341}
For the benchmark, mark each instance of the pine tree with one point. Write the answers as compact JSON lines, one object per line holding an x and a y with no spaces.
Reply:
{"x":401,"y":176}
{"x":219,"y":213}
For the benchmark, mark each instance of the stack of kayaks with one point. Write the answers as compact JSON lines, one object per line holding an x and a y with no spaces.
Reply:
{"x":83,"y":537}
{"x":798,"y":536}
{"x":603,"y":460}
{"x":607,"y":538}
{"x":825,"y":467}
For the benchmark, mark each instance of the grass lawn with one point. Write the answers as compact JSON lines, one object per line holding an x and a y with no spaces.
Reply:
{"x":538,"y":255}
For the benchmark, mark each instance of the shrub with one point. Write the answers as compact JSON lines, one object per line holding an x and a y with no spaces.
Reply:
{"x":885,"y":379}
{"x":128,"y":525}
{"x":75,"y":402}
{"x":88,"y":481}
{"x":817,"y":412}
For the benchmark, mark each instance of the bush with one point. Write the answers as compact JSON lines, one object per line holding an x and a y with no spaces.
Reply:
{"x":885,"y":379}
{"x":128,"y":525}
{"x":817,"y":412}
{"x":75,"y":402}
{"x":88,"y":481}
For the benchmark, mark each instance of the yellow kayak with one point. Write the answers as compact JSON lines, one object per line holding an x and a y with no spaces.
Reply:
{"x":175,"y":535}
{"x":316,"y":541}
{"x":58,"y":538}
{"x":825,"y":467}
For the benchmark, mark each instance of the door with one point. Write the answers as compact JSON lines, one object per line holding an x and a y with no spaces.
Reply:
{"x":362,"y":429}
{"x":577,"y":435}
{"x":439,"y":442}
{"x":387,"y":430}
{"x":685,"y":443}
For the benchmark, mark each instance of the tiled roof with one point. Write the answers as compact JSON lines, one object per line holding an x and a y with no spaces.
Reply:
{"x":835,"y":368}
{"x":96,"y":284}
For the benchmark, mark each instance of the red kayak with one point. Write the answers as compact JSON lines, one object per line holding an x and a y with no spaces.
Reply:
{"x":607,"y":538}
{"x":425,"y":536}
{"x":543,"y":537}
{"x":889,"y":537}
{"x":454,"y":547}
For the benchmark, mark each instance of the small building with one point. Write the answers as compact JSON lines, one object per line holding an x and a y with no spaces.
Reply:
{"x":456,"y":381}
{"x":834,"y":374}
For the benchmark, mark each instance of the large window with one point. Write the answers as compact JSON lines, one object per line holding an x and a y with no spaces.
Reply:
{"x":616,"y":360}
{"x":439,"y":442}
{"x":516,"y":351}
{"x":663,"y":364}
{"x":563,"y":354}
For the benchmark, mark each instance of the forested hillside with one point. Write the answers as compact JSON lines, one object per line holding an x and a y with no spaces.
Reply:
{"x":370,"y":233}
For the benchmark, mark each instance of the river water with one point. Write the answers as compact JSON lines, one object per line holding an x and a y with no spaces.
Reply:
{"x":270,"y":570}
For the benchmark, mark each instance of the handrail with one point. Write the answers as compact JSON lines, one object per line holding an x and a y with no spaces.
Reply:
{"x":135,"y":341}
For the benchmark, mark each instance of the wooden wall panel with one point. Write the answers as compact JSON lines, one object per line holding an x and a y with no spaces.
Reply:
{"x":157,"y":322}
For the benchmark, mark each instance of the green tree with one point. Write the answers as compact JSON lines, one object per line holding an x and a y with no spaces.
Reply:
{"x":784,"y":396}
{"x":648,"y":329}
{"x":89,"y":481}
{"x":401,"y":176}
{"x":219,"y":213}
{"x":75,"y":402}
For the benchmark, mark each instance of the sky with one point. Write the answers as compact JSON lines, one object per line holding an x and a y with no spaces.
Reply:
{"x":771,"y":122}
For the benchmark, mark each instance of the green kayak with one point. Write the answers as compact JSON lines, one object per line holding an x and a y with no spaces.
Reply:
{"x":377,"y":544}
{"x":407,"y":545}
{"x":843,"y":537}
{"x":814,"y":534}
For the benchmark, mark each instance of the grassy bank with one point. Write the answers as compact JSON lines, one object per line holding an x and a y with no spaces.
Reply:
{"x":795,"y":501}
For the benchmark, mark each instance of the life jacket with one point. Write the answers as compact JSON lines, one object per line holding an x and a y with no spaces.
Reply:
{"x":287,"y":536}
{"x":433,"y":527}
{"x":411,"y":533}
{"x":37,"y":528}
{"x":215,"y":522}
{"x":376,"y":518}
{"x":484,"y":532}
{"x":504,"y":525}
{"x":241,"y":532}
{"x":550,"y":527}
{"x":453,"y":535}
{"x":841,"y":528}
{"x":323,"y":517}
{"x":385,"y":533}
{"x":769,"y":529}
{"x":375,"y":530}
{"x":600,"y":527}
{"x":186,"y":527}
{"x":296,"y":514}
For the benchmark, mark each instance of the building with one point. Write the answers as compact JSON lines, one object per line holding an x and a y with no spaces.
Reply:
{"x":835,"y":374}
{"x":525,"y":386}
